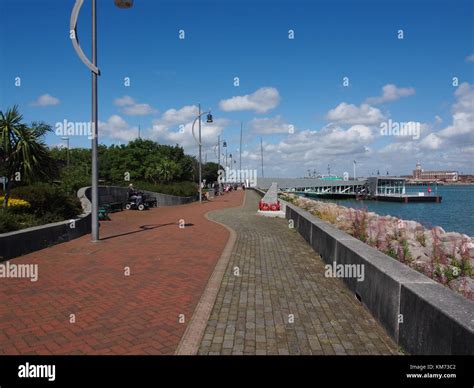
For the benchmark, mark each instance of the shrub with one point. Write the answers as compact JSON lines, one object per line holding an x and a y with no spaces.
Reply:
{"x":420,"y":236}
{"x":405,"y":252}
{"x":49,"y":203}
{"x":72,"y":179}
{"x":326,"y":215}
{"x":359,"y":220}
{"x":180,"y":189}
{"x":10,"y":221}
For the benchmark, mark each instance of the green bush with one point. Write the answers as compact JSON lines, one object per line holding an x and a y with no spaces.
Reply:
{"x":73,"y":178}
{"x":10,"y":221}
{"x":48,"y":202}
{"x":180,"y":189}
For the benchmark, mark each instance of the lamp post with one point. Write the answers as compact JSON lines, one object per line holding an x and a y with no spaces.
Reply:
{"x":240,"y":148}
{"x":67,"y":145}
{"x":355,"y":169}
{"x":92,"y":66}
{"x":217,"y":150}
{"x":224,"y":144}
{"x":208,"y":120}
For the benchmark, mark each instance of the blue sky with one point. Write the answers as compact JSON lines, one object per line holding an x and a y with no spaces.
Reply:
{"x":284,"y":83}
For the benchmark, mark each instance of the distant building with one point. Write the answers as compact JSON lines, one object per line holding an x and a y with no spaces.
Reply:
{"x":466,"y":178}
{"x":385,"y":186}
{"x":445,"y":176}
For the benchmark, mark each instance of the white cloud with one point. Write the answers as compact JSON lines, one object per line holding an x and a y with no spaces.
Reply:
{"x":183,"y":136}
{"x":391,"y":92}
{"x":470,"y":58}
{"x":175,"y":127}
{"x":431,"y":142}
{"x":351,"y":114}
{"x":116,"y":128}
{"x":260,"y":101}
{"x":330,"y":141}
{"x":45,"y":100}
{"x":449,"y":148}
{"x":177,"y":116}
{"x":269,"y":126}
{"x":461,"y":131}
{"x":124,"y":101}
{"x":131,"y":108}
{"x":139,"y":110}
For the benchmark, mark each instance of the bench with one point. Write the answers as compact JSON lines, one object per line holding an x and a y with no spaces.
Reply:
{"x":103,"y":215}
{"x":109,"y":204}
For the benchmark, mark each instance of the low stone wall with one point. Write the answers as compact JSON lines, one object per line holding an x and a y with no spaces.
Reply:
{"x":120,"y":194}
{"x":422,"y":316}
{"x":28,"y":240}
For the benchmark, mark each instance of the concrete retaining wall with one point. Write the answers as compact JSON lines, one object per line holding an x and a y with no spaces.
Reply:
{"x":28,"y":240}
{"x":120,"y":194}
{"x":421,"y":315}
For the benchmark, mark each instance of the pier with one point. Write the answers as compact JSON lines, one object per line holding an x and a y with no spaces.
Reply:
{"x":390,"y":189}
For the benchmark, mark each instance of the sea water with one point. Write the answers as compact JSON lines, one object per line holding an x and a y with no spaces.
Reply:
{"x":455,"y":213}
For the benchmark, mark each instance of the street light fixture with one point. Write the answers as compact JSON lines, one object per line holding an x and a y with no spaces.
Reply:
{"x":208,"y":120}
{"x":217,"y":150}
{"x":92,"y":66}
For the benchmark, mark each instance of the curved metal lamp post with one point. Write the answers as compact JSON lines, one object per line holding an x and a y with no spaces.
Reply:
{"x":92,"y":66}
{"x":209,"y":120}
{"x":217,"y":151}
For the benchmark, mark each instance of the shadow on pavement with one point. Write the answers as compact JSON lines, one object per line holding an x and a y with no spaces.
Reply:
{"x":143,"y":228}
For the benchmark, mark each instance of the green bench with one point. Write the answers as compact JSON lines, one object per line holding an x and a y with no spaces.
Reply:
{"x":108,"y":205}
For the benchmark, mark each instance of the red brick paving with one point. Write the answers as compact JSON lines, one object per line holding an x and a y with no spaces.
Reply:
{"x":116,"y":314}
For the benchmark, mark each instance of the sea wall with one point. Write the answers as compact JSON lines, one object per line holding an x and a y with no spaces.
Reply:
{"x":446,"y":257}
{"x":421,"y":315}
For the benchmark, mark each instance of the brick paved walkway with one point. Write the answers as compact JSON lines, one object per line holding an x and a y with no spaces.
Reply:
{"x":114,"y":313}
{"x":281,"y":277}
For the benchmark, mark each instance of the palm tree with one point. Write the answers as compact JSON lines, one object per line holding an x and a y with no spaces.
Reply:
{"x":164,"y":171}
{"x":23,"y":153}
{"x":167,"y":170}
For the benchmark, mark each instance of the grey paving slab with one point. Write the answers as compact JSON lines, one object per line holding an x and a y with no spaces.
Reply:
{"x":275,"y":299}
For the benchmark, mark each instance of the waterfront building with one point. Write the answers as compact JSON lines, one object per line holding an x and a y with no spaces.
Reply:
{"x":441,"y":175}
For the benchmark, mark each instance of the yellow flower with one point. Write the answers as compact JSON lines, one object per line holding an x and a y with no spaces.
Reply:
{"x":16,"y":202}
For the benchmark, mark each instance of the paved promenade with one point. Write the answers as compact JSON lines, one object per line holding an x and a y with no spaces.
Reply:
{"x":144,"y":313}
{"x":279,"y":302}
{"x":273,"y":298}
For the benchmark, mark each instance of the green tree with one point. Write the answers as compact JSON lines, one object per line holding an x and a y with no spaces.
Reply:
{"x":23,"y":153}
{"x":209,"y":172}
{"x":165,"y":171}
